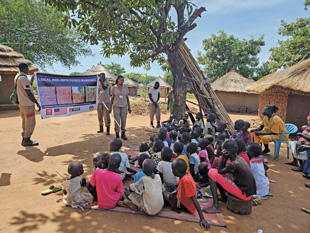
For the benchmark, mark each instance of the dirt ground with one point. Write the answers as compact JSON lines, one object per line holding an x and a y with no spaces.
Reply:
{"x":25,"y":172}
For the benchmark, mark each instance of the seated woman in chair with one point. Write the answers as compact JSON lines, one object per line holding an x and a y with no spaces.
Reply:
{"x":270,"y":129}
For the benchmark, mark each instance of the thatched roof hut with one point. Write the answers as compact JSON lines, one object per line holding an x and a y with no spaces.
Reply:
{"x":163,"y":86}
{"x":131,"y":85}
{"x":9,"y":60}
{"x":231,"y":91}
{"x":289,"y":89}
{"x":100,"y":68}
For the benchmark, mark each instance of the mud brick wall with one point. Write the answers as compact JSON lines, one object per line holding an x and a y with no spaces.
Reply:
{"x":274,"y":96}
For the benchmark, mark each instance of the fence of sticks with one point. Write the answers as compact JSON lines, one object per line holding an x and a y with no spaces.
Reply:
{"x":201,"y":87}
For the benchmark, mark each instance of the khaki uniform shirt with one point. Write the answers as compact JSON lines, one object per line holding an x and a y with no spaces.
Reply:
{"x":120,"y":97}
{"x":23,"y":84}
{"x":104,"y":95}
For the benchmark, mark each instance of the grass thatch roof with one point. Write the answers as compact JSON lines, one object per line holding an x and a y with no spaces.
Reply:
{"x":100,"y":68}
{"x":130,"y":83}
{"x":162,"y":83}
{"x":232,"y":82}
{"x":296,"y":77}
{"x":9,"y":60}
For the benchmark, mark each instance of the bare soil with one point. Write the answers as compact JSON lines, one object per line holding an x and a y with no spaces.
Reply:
{"x":25,"y":172}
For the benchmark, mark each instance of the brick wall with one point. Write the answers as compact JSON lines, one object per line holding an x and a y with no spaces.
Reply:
{"x":274,"y":96}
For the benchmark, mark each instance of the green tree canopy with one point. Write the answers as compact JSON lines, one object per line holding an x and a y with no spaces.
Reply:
{"x":116,"y":69}
{"x":224,"y":53}
{"x":295,"y":48}
{"x":144,"y":29}
{"x":37,"y":32}
{"x":140,"y":78}
{"x":168,"y":77}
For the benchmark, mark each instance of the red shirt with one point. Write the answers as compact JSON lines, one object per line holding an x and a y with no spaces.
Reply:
{"x":245,"y":157}
{"x":187,"y":189}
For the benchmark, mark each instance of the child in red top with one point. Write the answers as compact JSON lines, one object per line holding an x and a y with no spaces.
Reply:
{"x":109,"y":185}
{"x":185,"y":197}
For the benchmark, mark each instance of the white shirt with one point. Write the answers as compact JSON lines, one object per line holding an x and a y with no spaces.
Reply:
{"x":154,"y":92}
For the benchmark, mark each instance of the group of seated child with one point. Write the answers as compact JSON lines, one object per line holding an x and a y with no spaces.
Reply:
{"x":170,"y":164}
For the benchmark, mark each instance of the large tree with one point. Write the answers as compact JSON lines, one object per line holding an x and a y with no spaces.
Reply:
{"x":297,"y":45}
{"x":224,"y":53}
{"x":145,"y":29}
{"x":36,"y":31}
{"x":116,"y":68}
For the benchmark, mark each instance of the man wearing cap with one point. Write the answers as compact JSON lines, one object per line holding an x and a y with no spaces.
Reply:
{"x":103,"y":97}
{"x":154,"y":95}
{"x":26,"y":101}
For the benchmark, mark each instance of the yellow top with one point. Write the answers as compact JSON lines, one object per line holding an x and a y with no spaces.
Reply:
{"x":184,"y":157}
{"x":274,"y":125}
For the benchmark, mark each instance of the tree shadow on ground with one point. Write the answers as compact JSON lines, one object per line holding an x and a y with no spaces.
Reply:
{"x":29,"y":221}
{"x":47,"y":179}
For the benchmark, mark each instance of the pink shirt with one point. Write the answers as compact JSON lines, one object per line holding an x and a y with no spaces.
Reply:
{"x":204,"y":154}
{"x":109,"y":186}
{"x":301,"y":139}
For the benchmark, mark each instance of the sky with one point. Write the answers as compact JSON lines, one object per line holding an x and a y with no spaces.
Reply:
{"x":241,"y":18}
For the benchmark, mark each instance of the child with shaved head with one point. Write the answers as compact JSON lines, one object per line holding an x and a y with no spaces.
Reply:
{"x":185,"y":197}
{"x":146,"y":193}
{"x":109,"y":185}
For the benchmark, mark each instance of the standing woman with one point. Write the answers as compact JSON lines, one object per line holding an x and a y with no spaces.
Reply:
{"x":120,"y":104}
{"x":270,"y":128}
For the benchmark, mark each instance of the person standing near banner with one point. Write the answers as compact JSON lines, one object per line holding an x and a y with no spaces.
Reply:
{"x":154,"y":96}
{"x":103,"y":96}
{"x":26,"y":101}
{"x":120,"y":104}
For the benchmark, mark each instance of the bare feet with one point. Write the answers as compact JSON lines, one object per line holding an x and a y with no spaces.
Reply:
{"x":129,"y":204}
{"x":212,"y":209}
{"x":121,"y":203}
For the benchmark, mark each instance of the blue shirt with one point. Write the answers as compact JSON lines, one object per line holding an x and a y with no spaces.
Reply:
{"x":138,"y":175}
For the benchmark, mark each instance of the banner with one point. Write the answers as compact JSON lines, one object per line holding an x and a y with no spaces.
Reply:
{"x":61,"y":95}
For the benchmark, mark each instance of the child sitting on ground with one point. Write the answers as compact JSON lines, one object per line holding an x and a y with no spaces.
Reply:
{"x":140,"y":173}
{"x":165,"y":170}
{"x":173,"y":137}
{"x":157,"y":147}
{"x":254,"y":150}
{"x":96,"y":159}
{"x":74,"y":190}
{"x":143,"y":148}
{"x":203,"y":153}
{"x":199,"y":120}
{"x":147,"y":192}
{"x":171,"y":122}
{"x":221,"y":135}
{"x":162,"y":137}
{"x":194,"y":159}
{"x":185,"y":139}
{"x":109,"y":185}
{"x":203,"y":178}
{"x":246,"y":135}
{"x":178,"y":149}
{"x":210,"y":125}
{"x":185,"y":197}
{"x":115,"y":146}
{"x":184,"y":124}
{"x":238,"y":127}
{"x":241,"y":149}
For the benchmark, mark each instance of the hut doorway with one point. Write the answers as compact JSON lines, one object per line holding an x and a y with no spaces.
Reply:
{"x":297,"y":110}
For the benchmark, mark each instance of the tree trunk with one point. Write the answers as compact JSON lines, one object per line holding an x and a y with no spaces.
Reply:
{"x":179,"y":83}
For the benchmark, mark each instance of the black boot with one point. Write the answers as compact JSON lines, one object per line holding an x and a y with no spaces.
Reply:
{"x":23,"y":141}
{"x":28,"y":142}
{"x":100,"y":129}
{"x":152,"y":124}
{"x":266,"y":151}
{"x":117,"y":135}
{"x":158,"y":124}
{"x":108,"y":130}
{"x":124,"y":136}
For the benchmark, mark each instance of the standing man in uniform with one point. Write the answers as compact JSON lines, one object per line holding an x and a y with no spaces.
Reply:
{"x":26,"y":101}
{"x":154,"y":95}
{"x":103,"y":96}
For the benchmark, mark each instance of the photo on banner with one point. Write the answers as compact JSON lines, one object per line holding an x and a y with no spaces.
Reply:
{"x":62,"y":95}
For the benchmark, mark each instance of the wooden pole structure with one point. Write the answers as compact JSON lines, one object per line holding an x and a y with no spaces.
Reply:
{"x":201,"y":87}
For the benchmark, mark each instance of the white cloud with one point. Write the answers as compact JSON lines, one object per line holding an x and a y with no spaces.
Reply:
{"x":215,"y":6}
